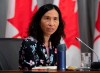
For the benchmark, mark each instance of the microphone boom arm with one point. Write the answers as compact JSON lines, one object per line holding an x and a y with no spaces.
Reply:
{"x":88,"y":47}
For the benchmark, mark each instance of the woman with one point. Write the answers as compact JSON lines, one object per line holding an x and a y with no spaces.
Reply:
{"x":45,"y":32}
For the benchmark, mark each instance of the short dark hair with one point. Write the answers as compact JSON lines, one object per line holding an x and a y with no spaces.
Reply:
{"x":36,"y":31}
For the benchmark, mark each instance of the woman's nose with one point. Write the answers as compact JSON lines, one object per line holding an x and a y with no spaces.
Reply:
{"x":51,"y":22}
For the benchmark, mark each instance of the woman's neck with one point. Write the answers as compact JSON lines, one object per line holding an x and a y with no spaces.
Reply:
{"x":46,"y":41}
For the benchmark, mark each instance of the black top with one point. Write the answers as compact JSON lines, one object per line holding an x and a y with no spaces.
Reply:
{"x":32,"y":54}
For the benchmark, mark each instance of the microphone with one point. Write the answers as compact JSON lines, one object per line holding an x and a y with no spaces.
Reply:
{"x":94,"y":65}
{"x":61,"y":57}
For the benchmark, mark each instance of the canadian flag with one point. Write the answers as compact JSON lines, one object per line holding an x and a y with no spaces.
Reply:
{"x":18,"y":17}
{"x":69,"y":10}
{"x":97,"y":35}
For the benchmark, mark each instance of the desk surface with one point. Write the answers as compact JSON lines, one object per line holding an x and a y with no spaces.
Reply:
{"x":46,"y":71}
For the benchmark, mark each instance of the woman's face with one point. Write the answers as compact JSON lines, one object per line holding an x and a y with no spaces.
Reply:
{"x":49,"y":22}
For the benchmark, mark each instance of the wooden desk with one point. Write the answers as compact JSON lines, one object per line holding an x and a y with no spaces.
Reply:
{"x":47,"y":71}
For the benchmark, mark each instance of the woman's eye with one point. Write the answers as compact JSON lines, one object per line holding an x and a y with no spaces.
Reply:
{"x":55,"y":18}
{"x":47,"y":17}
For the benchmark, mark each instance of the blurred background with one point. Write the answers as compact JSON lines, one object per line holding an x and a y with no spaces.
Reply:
{"x":87,"y":14}
{"x":86,"y":11}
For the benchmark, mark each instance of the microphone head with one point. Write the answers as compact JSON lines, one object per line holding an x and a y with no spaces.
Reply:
{"x":77,"y":39}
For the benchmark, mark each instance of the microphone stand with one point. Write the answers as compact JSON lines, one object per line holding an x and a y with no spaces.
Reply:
{"x":94,"y":65}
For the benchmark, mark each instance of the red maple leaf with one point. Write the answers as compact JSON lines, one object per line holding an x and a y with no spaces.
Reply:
{"x":22,"y":17}
{"x":71,"y":22}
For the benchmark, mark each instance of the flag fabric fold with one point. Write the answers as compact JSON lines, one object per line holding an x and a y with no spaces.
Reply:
{"x":18,"y":17}
{"x":69,"y":10}
{"x":96,"y":45}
